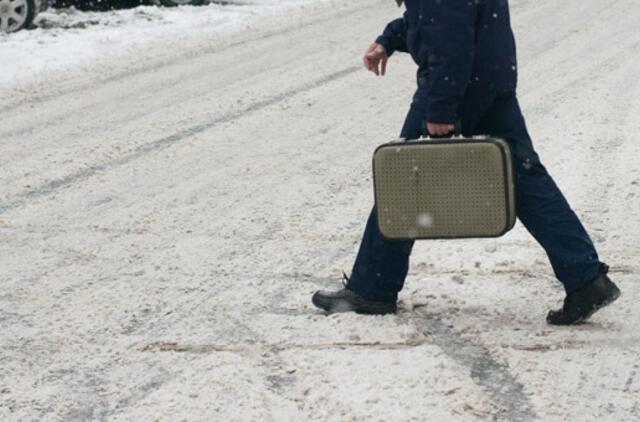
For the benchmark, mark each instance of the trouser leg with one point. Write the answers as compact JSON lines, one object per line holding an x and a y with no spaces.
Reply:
{"x":540,"y":205}
{"x":381,"y":265}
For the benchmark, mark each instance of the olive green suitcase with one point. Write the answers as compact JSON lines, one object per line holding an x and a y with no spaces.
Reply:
{"x":444,"y":188}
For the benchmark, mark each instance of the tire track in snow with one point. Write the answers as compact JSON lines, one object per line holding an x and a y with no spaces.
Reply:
{"x":492,"y":376}
{"x":162,"y":143}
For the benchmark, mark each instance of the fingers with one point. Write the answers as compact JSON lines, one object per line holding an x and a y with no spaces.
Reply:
{"x":437,"y":129}
{"x":375,"y":59}
{"x":367,"y":63}
{"x":372,"y":64}
{"x":376,"y":65}
{"x":369,"y":60}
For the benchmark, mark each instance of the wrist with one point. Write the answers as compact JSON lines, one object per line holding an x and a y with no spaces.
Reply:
{"x":384,"y":42}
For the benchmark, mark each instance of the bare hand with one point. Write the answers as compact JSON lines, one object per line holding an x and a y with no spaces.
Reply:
{"x":438,"y":129}
{"x":375,"y":59}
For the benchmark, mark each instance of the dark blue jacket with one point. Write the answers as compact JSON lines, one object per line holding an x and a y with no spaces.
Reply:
{"x":464,"y":50}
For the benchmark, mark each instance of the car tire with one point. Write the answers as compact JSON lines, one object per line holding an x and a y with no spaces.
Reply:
{"x":16,"y":14}
{"x":175,"y":3}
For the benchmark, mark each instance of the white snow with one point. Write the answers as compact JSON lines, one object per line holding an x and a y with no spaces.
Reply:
{"x":168,"y":208}
{"x":66,"y":39}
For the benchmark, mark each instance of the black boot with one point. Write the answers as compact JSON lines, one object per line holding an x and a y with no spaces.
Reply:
{"x":346,"y":300}
{"x":581,"y":304}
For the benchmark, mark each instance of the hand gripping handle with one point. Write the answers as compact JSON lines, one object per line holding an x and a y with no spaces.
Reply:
{"x":457,"y":131}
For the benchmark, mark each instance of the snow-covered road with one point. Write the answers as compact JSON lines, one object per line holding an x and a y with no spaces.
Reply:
{"x":165,"y":218}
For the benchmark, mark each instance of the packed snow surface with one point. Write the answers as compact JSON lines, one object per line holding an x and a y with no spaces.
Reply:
{"x":68,"y":38}
{"x":173,"y":194}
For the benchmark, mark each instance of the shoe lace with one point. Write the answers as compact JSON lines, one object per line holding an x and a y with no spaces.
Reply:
{"x":345,"y":279}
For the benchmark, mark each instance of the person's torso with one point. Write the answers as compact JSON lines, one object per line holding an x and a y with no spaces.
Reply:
{"x":495,"y":64}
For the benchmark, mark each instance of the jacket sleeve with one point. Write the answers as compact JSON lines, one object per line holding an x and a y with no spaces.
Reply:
{"x":394,"y":36}
{"x":448,"y":31}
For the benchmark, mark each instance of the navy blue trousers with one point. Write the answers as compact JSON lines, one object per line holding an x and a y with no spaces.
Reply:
{"x":381,"y":265}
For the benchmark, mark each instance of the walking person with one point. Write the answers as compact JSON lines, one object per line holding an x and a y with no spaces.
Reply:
{"x":467,"y":73}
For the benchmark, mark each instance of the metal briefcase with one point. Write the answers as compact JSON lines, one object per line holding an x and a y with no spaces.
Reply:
{"x":444,"y":188}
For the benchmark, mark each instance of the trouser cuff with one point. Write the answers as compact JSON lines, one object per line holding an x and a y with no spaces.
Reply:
{"x":360,"y":288}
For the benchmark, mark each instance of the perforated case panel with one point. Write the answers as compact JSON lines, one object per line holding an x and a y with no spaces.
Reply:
{"x":444,"y":189}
